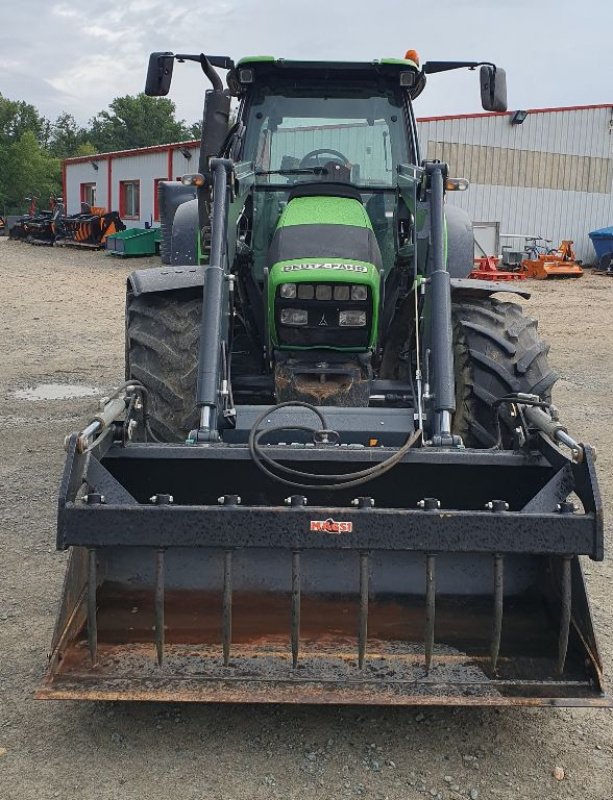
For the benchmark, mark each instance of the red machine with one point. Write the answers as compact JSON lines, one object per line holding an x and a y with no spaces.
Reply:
{"x":486,"y":269}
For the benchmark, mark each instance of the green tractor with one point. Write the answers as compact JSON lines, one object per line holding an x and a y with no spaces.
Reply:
{"x":333,"y":472}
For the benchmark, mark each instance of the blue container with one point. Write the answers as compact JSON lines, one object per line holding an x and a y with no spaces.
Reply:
{"x":602,"y":239}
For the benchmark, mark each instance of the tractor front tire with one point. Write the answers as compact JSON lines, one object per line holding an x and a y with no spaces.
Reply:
{"x":497,"y":352}
{"x":162,"y":338}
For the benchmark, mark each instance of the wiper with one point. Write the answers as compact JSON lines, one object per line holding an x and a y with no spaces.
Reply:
{"x":296,"y":171}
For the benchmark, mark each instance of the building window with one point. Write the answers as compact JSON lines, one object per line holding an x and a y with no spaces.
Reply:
{"x":88,"y":194}
{"x":129,"y":199}
{"x":156,"y":198}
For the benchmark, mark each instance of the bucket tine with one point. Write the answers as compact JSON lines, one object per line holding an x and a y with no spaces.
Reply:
{"x":227,"y":606}
{"x":565,"y":615}
{"x":92,"y":624}
{"x":363,"y":624}
{"x":159,"y":605}
{"x":498,"y":608}
{"x":430,"y":608}
{"x":295,"y":607}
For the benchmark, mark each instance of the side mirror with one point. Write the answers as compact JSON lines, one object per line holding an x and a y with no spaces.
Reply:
{"x":159,"y":74}
{"x":493,"y":88}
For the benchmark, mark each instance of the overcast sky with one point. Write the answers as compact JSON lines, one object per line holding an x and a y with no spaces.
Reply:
{"x":63,"y":55}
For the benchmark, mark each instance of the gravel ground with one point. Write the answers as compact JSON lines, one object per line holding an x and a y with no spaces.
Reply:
{"x":61,"y":321}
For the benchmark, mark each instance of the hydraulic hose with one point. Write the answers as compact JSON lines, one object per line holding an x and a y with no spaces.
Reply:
{"x":298,"y":479}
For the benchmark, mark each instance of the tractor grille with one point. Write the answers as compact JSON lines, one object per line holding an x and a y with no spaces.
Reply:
{"x":322,"y":326}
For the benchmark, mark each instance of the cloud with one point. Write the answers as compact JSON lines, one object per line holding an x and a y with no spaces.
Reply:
{"x":65,"y":56}
{"x":64,"y":11}
{"x":100,"y":33}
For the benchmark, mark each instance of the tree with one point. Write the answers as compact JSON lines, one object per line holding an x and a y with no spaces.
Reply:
{"x":85,"y":149}
{"x":66,"y":137}
{"x":136,"y":121}
{"x":18,"y":117}
{"x":195,"y":130}
{"x":26,"y":169}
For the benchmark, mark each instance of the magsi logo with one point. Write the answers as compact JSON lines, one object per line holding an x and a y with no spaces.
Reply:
{"x":330,"y":526}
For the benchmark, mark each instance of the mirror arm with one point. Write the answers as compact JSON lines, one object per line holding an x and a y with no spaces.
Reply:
{"x":430,"y":67}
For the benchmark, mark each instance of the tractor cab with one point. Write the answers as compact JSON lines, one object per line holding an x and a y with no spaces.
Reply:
{"x":328,"y":128}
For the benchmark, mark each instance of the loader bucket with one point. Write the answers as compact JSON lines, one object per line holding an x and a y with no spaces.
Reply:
{"x":463,"y":599}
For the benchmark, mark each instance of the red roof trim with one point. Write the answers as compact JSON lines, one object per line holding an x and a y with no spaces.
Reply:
{"x":137,"y":151}
{"x":510,"y":113}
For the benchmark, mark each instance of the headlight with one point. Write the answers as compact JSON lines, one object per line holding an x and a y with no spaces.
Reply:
{"x":359,"y":293}
{"x":294,"y":316}
{"x":341,"y":293}
{"x":352,"y":318}
{"x":323,"y":292}
{"x":288,"y":290}
{"x":306,"y":291}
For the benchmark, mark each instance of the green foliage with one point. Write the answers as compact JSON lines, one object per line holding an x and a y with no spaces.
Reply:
{"x":195,"y":130}
{"x":66,"y":137}
{"x":16,"y":118}
{"x":85,"y":149}
{"x":138,"y":121}
{"x":26,"y":169}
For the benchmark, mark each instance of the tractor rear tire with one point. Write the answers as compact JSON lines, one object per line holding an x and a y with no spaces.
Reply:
{"x":162,"y":338}
{"x":497,"y":352}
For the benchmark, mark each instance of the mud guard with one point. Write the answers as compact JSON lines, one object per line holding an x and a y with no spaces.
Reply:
{"x":165,"y":279}
{"x":460,"y":242}
{"x":171,"y":194}
{"x":477,"y":288}
{"x":183,"y":243}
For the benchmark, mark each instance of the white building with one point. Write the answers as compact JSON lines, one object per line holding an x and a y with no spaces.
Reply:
{"x":126,"y":181}
{"x":549,"y":175}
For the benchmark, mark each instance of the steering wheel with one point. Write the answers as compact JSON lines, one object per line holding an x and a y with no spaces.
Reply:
{"x":312,"y":159}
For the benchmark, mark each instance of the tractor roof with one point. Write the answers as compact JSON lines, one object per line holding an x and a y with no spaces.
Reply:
{"x":392,"y":69}
{"x":284,"y":63}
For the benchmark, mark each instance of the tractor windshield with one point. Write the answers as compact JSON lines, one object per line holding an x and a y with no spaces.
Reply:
{"x":295,"y":135}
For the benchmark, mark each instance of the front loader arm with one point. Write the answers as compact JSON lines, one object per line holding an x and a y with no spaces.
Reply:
{"x":216,"y":289}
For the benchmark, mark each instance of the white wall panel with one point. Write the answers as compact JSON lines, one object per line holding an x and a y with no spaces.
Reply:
{"x":553,"y":214}
{"x":562,"y":149}
{"x":576,"y":132}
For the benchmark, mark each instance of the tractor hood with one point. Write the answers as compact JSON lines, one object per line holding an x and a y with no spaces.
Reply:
{"x":324,"y":281}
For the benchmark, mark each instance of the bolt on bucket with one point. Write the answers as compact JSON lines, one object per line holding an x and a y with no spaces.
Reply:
{"x":199,"y":596}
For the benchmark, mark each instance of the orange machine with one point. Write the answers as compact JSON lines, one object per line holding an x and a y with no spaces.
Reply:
{"x":560,"y":263}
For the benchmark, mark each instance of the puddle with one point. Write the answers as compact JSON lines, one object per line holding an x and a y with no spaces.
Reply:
{"x":55,"y":391}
